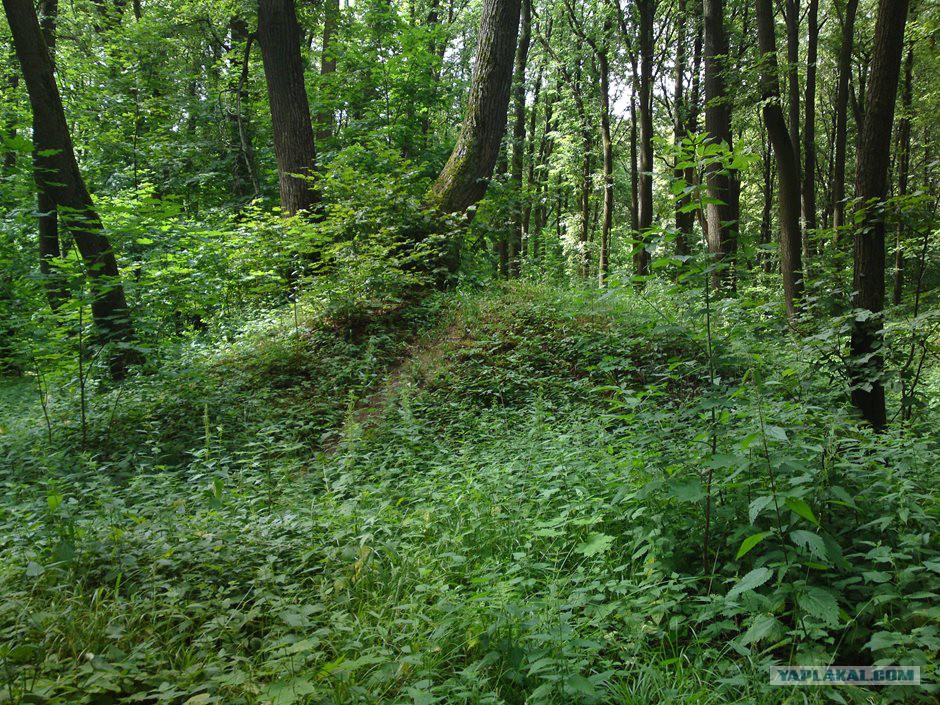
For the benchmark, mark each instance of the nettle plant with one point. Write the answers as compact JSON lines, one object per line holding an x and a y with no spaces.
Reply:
{"x":813,"y":543}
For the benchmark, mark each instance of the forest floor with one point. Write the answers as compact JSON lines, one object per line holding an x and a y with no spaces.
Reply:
{"x":487,"y":498}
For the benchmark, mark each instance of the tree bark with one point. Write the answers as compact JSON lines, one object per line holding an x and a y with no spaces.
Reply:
{"x":50,"y":250}
{"x":518,"y":137}
{"x":844,"y":70}
{"x":809,"y":123}
{"x":327,"y":68}
{"x":294,"y":147}
{"x":871,"y":183}
{"x":646,"y":10}
{"x":603,"y":266}
{"x":463,"y":180}
{"x":903,"y":169}
{"x":58,"y":176}
{"x":721,"y":235}
{"x":788,"y":175}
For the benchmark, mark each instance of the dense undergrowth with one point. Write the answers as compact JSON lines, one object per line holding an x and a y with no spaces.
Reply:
{"x":532,"y":495}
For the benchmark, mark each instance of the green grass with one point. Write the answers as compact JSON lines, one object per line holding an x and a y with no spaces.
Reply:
{"x":516,"y":518}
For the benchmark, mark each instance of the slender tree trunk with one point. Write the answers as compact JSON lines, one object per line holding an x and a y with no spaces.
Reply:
{"x":788,"y":175}
{"x":244,"y":174}
{"x":809,"y":124}
{"x":634,"y":168}
{"x":691,"y":176}
{"x":871,"y":184}
{"x":791,"y":16}
{"x":50,"y":250}
{"x":530,"y":243}
{"x":294,"y":147}
{"x":903,"y":168}
{"x":683,"y":220}
{"x":58,"y":176}
{"x":844,"y":70}
{"x":463,"y":180}
{"x":518,"y":137}
{"x":721,"y":217}
{"x":603,"y":267}
{"x":327,"y":69}
{"x":646,"y":10}
{"x":767,"y":201}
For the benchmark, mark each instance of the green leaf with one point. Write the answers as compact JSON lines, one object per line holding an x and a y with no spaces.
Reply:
{"x":288,"y":691}
{"x":819,"y":603}
{"x":594,"y":544}
{"x":812,"y":542}
{"x":690,"y":490}
{"x":751,"y":541}
{"x":752,"y":580}
{"x":757,"y":506}
{"x":759,"y":629}
{"x":798,"y":506}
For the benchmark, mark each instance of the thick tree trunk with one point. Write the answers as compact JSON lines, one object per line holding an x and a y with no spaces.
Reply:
{"x":518,"y":137}
{"x":903,"y":169}
{"x":58,"y":176}
{"x":463,"y":180}
{"x":788,"y":175}
{"x":721,"y":217}
{"x":809,"y":123}
{"x":871,"y":184}
{"x":279,"y":36}
{"x":844,"y":70}
{"x":646,"y":10}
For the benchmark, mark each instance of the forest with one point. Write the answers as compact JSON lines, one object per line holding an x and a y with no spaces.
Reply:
{"x":484,"y":352}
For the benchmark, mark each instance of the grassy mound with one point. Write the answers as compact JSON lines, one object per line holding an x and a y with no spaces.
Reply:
{"x":487,"y":499}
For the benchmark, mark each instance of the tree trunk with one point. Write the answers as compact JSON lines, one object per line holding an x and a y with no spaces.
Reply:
{"x":721,"y":235}
{"x":279,"y":36}
{"x":603,"y":266}
{"x":791,"y":16}
{"x":684,"y":220}
{"x":788,"y":175}
{"x":57,"y":175}
{"x":767,"y":201}
{"x":842,"y":112}
{"x":809,"y":124}
{"x":646,"y":10}
{"x":518,"y":138}
{"x":463,"y":180}
{"x":244,"y":174}
{"x":327,"y":68}
{"x":50,"y":250}
{"x":903,"y":168}
{"x":871,"y":179}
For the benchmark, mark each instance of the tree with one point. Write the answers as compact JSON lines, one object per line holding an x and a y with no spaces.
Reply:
{"x":646,"y":10}
{"x":871,"y":183}
{"x":903,"y":168}
{"x":722,"y":209}
{"x":294,"y":147}
{"x":58,"y":175}
{"x":788,"y":174}
{"x":514,"y":250}
{"x":809,"y":122}
{"x":327,"y":67}
{"x":463,"y":180}
{"x":50,"y":248}
{"x":844,"y":71}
